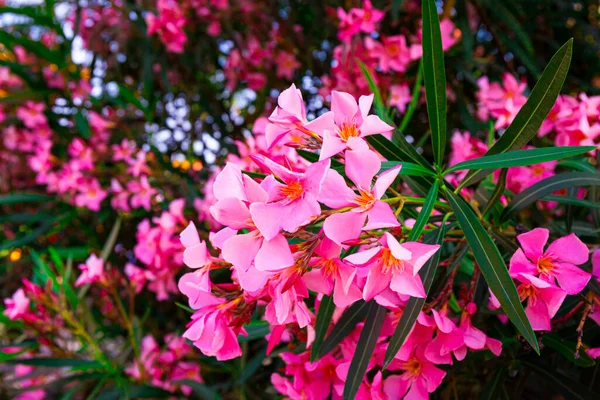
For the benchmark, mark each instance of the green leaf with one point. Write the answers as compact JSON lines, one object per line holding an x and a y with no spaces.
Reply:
{"x":520,"y":158}
{"x":58,"y":362}
{"x":492,"y":266}
{"x":567,"y":349}
{"x":415,"y":305}
{"x":82,"y":125}
{"x":205,"y":392}
{"x":435,"y":78}
{"x":377,"y":99}
{"x":345,"y":325}
{"x":494,"y":387}
{"x":532,"y":114}
{"x":326,"y":309}
{"x":111,"y":240}
{"x":396,"y":9}
{"x":129,"y":97}
{"x":364,"y":349}
{"x":568,"y":387}
{"x":314,"y":157}
{"x":45,"y":269}
{"x":255,"y":330}
{"x":252,"y":366}
{"x":547,"y":186}
{"x":18,"y":198}
{"x":425,"y":212}
{"x":497,"y":193}
{"x":393,"y":152}
{"x":408,"y":168}
{"x":571,"y":200}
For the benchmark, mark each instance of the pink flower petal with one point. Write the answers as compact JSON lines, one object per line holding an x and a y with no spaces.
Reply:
{"x":273,"y":255}
{"x":533,"y":242}
{"x":381,"y":216}
{"x":344,"y":226}
{"x":361,"y":167}
{"x":569,"y":249}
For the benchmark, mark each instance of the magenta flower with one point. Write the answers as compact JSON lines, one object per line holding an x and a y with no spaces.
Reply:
{"x":292,"y":198}
{"x":17,"y":305}
{"x":368,"y":16}
{"x":92,"y":271}
{"x":543,"y":300}
{"x":391,"y":53}
{"x":420,"y":378}
{"x":352,"y":123}
{"x":361,"y":167}
{"x":558,"y":262}
{"x":395,"y":266}
{"x":32,"y":114}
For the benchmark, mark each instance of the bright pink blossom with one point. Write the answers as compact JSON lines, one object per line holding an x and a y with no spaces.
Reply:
{"x":17,"y":305}
{"x":92,"y":271}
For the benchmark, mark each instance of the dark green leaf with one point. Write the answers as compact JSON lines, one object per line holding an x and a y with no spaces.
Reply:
{"x":572,"y":200}
{"x":494,"y":387}
{"x":364,"y":349}
{"x":58,"y":362}
{"x":425,"y":212}
{"x":326,"y":309}
{"x":414,"y":304}
{"x":18,"y":198}
{"x":547,"y":186}
{"x":533,"y":113}
{"x":345,"y":325}
{"x":521,"y":158}
{"x":82,"y":125}
{"x":497,"y":193}
{"x":377,"y":99}
{"x":567,"y":350}
{"x":200,"y":389}
{"x":255,"y":330}
{"x":492,"y":266}
{"x":252,"y":366}
{"x":565,"y":385}
{"x":408,"y":168}
{"x":435,"y":78}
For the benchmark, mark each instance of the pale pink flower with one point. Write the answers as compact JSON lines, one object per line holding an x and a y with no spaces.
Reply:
{"x":400,"y":96}
{"x":361,"y":167}
{"x":142,"y":193}
{"x":286,"y":65}
{"x":32,"y":114}
{"x":92,"y":271}
{"x":90,"y":195}
{"x":394,"y":265}
{"x":392,"y":53}
{"x":290,"y":204}
{"x":352,"y":124}
{"x":17,"y":305}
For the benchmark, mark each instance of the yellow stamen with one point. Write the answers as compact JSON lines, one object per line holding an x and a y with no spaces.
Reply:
{"x":391,"y":263}
{"x":293,"y":190}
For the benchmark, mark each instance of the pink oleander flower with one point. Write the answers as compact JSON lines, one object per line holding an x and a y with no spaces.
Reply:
{"x":400,"y":96}
{"x":287,"y":300}
{"x":330,"y":273}
{"x":392,"y":53}
{"x":543,"y":300}
{"x":237,"y":196}
{"x":32,"y":114}
{"x":361,"y":167}
{"x":557,"y":263}
{"x":168,"y":25}
{"x":210,"y":329}
{"x":17,"y":305}
{"x":420,"y":378}
{"x":290,"y":116}
{"x":123,"y":151}
{"x":90,"y":194}
{"x":290,"y":204}
{"x":142,"y":193}
{"x":92,"y":271}
{"x":465,"y":147}
{"x":368,"y":16}
{"x":349,"y":24}
{"x":352,"y":123}
{"x":286,"y":65}
{"x":393,"y":265}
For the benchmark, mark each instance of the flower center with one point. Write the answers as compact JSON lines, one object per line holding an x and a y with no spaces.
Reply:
{"x":393,"y":50}
{"x":292,"y":191}
{"x":527,"y":291}
{"x":329,"y":268}
{"x":365,"y":200}
{"x":348,"y":131}
{"x":391,"y":263}
{"x":537,"y":170}
{"x":545,"y":265}
{"x":413,"y":367}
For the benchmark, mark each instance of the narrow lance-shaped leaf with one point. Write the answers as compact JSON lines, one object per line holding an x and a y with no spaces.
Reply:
{"x":408,"y":168}
{"x":435,"y":78}
{"x":345,"y":325}
{"x":326,"y":309}
{"x":364,"y":349}
{"x":498,"y":191}
{"x":532,"y":114}
{"x":548,"y":186}
{"x":492,"y":266}
{"x":414,"y":305}
{"x":425,"y":212}
{"x":521,"y":158}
